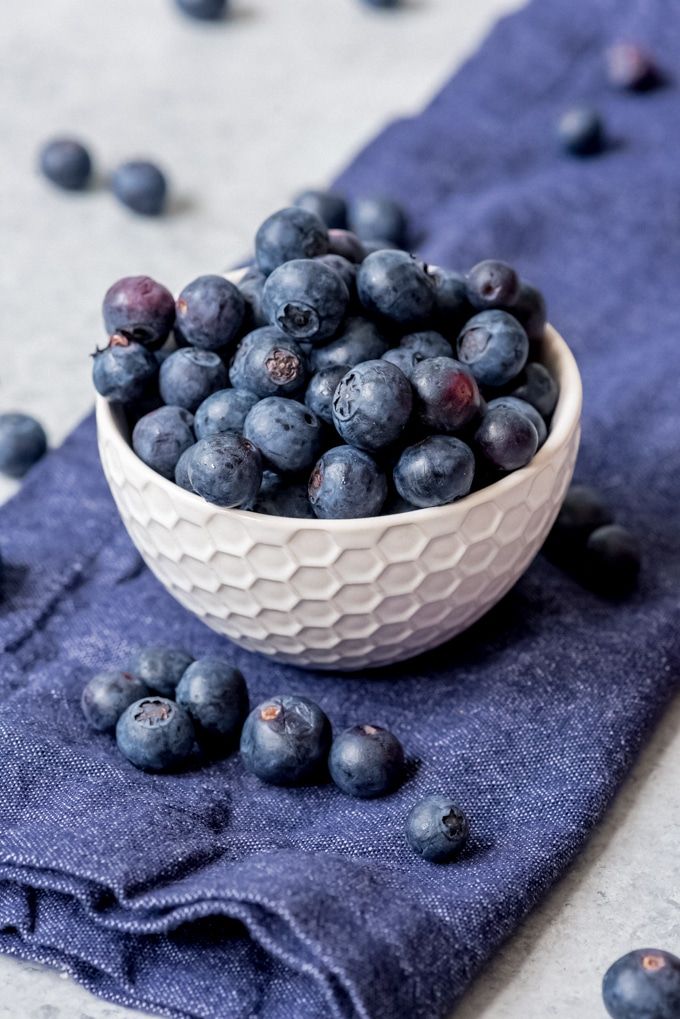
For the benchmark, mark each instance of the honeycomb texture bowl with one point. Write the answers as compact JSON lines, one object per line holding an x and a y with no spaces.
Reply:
{"x":345,"y":594}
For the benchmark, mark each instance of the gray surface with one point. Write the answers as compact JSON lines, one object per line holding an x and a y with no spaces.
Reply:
{"x":242,"y":115}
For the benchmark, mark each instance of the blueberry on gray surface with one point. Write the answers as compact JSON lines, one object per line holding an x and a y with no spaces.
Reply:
{"x":612,"y":559}
{"x":435,"y":471}
{"x":268,"y":363}
{"x":360,"y":340}
{"x":251,"y":286}
{"x":405,"y":360}
{"x":289,"y":234}
{"x":155,"y":734}
{"x":366,"y":761}
{"x":141,"y":186}
{"x":427,"y":343}
{"x":321,"y":388}
{"x":346,"y":270}
{"x":644,"y":984}
{"x":160,"y":437}
{"x":347,"y":244}
{"x":347,"y":483}
{"x":107,"y":695}
{"x":446,"y":395}
{"x":141,"y":309}
{"x":279,"y":497}
{"x":371,"y":218}
{"x":223,"y":411}
{"x":538,"y":387}
{"x":580,"y":131}
{"x":451,"y":306}
{"x":506,"y":438}
{"x":189,"y":376}
{"x":215,"y":695}
{"x":492,"y":284}
{"x":330,"y":207}
{"x":286,"y":432}
{"x":530,"y":311}
{"x":203,"y":10}
{"x":631,"y":68}
{"x":22,"y":443}
{"x":225,"y":470}
{"x":210,"y":312}
{"x":161,"y":668}
{"x":182,"y":470}
{"x":395,"y":287}
{"x":285,"y":741}
{"x":123,"y":370}
{"x":372,"y":405}
{"x":525,"y":408}
{"x":67,"y":163}
{"x":305,"y":299}
{"x":582,"y":511}
{"x":494,"y":346}
{"x":437,"y":829}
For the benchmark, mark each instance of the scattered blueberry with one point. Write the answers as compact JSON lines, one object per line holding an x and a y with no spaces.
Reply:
{"x":268,"y":363}
{"x":189,"y":375}
{"x":160,"y":437}
{"x":494,"y":346}
{"x":347,"y":244}
{"x":289,"y":234}
{"x":305,"y":299}
{"x":581,"y":131}
{"x":161,"y":668}
{"x":155,"y":734}
{"x":203,"y":10}
{"x":141,"y":309}
{"x":286,"y":740}
{"x":123,"y":370}
{"x":210,"y":313}
{"x":322,"y":386}
{"x":141,"y":186}
{"x":437,"y":829}
{"x":630,"y":67}
{"x":537,"y":386}
{"x":215,"y":695}
{"x":395,"y":286}
{"x":435,"y":471}
{"x":612,"y":559}
{"x":22,"y":443}
{"x":67,"y":163}
{"x":286,"y":432}
{"x":328,"y":206}
{"x":644,"y":984}
{"x":223,"y":411}
{"x":371,"y":218}
{"x":345,"y":484}
{"x":366,"y":761}
{"x":360,"y":340}
{"x":506,"y":438}
{"x":525,"y":408}
{"x":428,"y":344}
{"x":106,"y":697}
{"x":372,"y":405}
{"x":446,"y":395}
{"x":492,"y":284}
{"x":582,"y":511}
{"x":225,"y":469}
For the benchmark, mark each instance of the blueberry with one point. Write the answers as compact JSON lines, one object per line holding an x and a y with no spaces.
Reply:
{"x":582,"y":511}
{"x":279,"y":498}
{"x":286,"y":432}
{"x":328,"y":206}
{"x":223,"y":411}
{"x":530,"y":311}
{"x":123,"y":370}
{"x":289,"y":234}
{"x":322,"y":386}
{"x":203,"y":10}
{"x":141,"y":186}
{"x":446,"y":396}
{"x":581,"y":132}
{"x":346,"y":270}
{"x":267,"y":363}
{"x":210,"y":312}
{"x":437,"y":829}
{"x":427,"y":343}
{"x":612,"y":560}
{"x":435,"y":471}
{"x":525,"y":408}
{"x":251,"y":286}
{"x":366,"y":761}
{"x":347,"y":244}
{"x":537,"y":386}
{"x":394,"y":286}
{"x":225,"y":469}
{"x":67,"y":163}
{"x":182,"y":470}
{"x":395,"y":504}
{"x":644,"y":984}
{"x":492,"y":284}
{"x":286,"y":740}
{"x":106,"y":697}
{"x":494,"y":346}
{"x":22,"y":443}
{"x":160,"y":438}
{"x":404,"y":359}
{"x":377,"y":244}
{"x":383,"y":4}
{"x":141,"y":309}
{"x":370,"y":218}
{"x":305,"y":299}
{"x":155,"y":734}
{"x":360,"y":340}
{"x":161,"y":668}
{"x":215,"y":695}
{"x":451,"y":306}
{"x":188,"y":376}
{"x":372,"y":405}
{"x":346,"y":484}
{"x":506,"y":438}
{"x":630,"y":67}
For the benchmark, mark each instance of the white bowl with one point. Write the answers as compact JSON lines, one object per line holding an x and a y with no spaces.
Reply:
{"x":346,"y":594}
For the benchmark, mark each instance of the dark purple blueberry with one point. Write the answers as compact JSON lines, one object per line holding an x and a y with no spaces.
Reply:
{"x":289,"y":234}
{"x":347,"y":244}
{"x":427,"y":343}
{"x":446,"y":396}
{"x":285,"y":741}
{"x":612,"y":559}
{"x":331,"y":208}
{"x":346,"y":483}
{"x":182,"y":470}
{"x":452,"y":308}
{"x":203,"y":10}
{"x":223,"y":411}
{"x":629,"y":67}
{"x":581,"y":132}
{"x":155,"y":734}
{"x":279,"y":497}
{"x":268,"y":363}
{"x":160,"y":667}
{"x":216,"y":697}
{"x":141,"y":309}
{"x":366,"y":761}
{"x":189,"y":375}
{"x":22,"y":443}
{"x":530,"y":311}
{"x":506,"y":438}
{"x":123,"y":370}
{"x":106,"y":697}
{"x":537,"y":386}
{"x":160,"y":438}
{"x":360,"y":340}
{"x":305,"y":299}
{"x":346,"y":270}
{"x":492,"y":284}
{"x":210,"y":313}
{"x":494,"y":346}
{"x":644,"y":984}
{"x":395,"y":287}
{"x":370,"y":218}
{"x":287,"y":434}
{"x":225,"y":470}
{"x":582,"y":511}
{"x":437,"y":829}
{"x":405,"y":360}
{"x":141,"y":186}
{"x":435,"y":471}
{"x":67,"y":163}
{"x":525,"y":408}
{"x":372,"y":405}
{"x":321,"y":388}
{"x":251,"y":286}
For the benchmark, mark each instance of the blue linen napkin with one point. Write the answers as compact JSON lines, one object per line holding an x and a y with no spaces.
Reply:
{"x":206,"y":894}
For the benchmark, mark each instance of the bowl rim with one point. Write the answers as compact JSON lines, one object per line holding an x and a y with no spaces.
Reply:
{"x":566,"y":416}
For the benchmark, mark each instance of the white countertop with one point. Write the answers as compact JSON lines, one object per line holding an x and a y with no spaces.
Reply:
{"x":242,"y":115}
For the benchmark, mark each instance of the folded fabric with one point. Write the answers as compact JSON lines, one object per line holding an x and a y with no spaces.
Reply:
{"x":207,"y":894}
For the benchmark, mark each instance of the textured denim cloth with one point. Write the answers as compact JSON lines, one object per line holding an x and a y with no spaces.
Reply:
{"x":209,"y":895}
